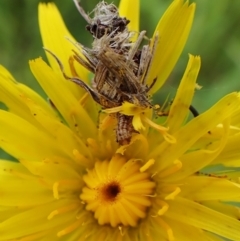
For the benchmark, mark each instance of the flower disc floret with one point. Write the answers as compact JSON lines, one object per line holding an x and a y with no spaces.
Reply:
{"x":117,"y":192}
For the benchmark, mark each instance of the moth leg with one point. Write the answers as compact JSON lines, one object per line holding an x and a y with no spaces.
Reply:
{"x":136,"y":45}
{"x":75,"y":79}
{"x":145,"y":59}
{"x":88,"y":65}
{"x":88,"y":62}
{"x":149,"y":64}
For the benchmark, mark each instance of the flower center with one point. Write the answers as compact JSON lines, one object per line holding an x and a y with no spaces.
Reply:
{"x":117,"y":192}
{"x":109,"y":192}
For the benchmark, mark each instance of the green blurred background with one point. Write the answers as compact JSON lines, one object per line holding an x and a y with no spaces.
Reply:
{"x":215,"y":36}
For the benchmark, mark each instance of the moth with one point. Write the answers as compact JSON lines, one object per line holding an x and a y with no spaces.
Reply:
{"x":120,"y":66}
{"x":106,"y":19}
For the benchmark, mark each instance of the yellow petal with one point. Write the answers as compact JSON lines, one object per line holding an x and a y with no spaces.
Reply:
{"x":29,"y":93}
{"x":137,"y":123}
{"x":230,"y":155}
{"x":209,"y":188}
{"x":63,"y":135}
{"x":172,"y":30}
{"x":64,"y":174}
{"x":138,"y":148}
{"x":201,"y":157}
{"x":35,"y":216}
{"x":166,"y":153}
{"x":180,"y":106}
{"x":11,"y":96}
{"x":186,"y":232}
{"x":132,"y":109}
{"x":232,"y":211}
{"x":54,"y":33}
{"x":57,"y":90}
{"x":113,"y":110}
{"x":34,"y":193}
{"x":130,"y":10}
{"x":236,"y":119}
{"x":194,"y":214}
{"x":25,"y":141}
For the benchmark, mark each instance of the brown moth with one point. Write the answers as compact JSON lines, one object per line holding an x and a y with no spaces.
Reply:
{"x":120,"y":66}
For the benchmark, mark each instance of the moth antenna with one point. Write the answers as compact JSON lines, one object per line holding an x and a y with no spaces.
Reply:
{"x":82,"y":12}
{"x":79,"y":46}
{"x":56,"y":58}
{"x":76,"y":44}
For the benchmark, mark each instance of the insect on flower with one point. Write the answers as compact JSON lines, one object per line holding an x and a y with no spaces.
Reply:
{"x":120,"y":66}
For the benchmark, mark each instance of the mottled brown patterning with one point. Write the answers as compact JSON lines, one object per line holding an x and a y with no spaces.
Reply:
{"x":120,"y":66}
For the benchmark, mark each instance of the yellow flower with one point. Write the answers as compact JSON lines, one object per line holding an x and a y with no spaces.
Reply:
{"x":74,"y":182}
